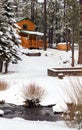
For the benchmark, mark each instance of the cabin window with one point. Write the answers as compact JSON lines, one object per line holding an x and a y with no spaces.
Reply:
{"x":25,"y":26}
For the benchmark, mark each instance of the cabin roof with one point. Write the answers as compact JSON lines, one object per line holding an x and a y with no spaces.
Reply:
{"x":24,"y":18}
{"x":31,"y":32}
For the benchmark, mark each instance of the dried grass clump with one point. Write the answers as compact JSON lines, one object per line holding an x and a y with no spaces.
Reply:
{"x":73,"y":116}
{"x":33,"y":94}
{"x":3,"y":85}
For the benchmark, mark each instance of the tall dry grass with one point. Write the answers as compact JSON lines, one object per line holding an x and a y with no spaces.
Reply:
{"x":73,"y":116}
{"x":32,"y":94}
{"x":3,"y":85}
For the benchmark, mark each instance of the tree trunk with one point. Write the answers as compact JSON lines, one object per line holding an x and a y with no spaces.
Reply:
{"x":66,"y":38}
{"x":80,"y":53}
{"x":80,"y":42}
{"x":45,"y":26}
{"x":32,"y":10}
{"x":51,"y":37}
{"x":49,"y":41}
{"x":73,"y":50}
{"x":1,"y":65}
{"x":6,"y":67}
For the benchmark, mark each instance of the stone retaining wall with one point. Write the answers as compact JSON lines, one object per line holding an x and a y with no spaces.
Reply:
{"x":65,"y":71}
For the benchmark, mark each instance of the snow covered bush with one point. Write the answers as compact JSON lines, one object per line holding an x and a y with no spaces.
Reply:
{"x":32,"y":94}
{"x":73,"y":116}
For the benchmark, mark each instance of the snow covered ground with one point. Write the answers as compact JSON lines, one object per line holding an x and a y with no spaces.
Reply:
{"x":17,"y":123}
{"x":34,"y":70}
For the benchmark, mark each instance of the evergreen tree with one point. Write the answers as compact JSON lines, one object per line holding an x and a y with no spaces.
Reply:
{"x":8,"y":37}
{"x":26,"y":10}
{"x":54,"y":20}
{"x":72,"y":18}
{"x":30,"y":10}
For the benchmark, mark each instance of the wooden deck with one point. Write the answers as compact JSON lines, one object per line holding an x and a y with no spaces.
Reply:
{"x":65,"y":71}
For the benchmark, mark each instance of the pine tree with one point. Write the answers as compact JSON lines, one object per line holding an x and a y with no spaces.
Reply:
{"x":72,"y":20}
{"x":8,"y":37}
{"x":54,"y":20}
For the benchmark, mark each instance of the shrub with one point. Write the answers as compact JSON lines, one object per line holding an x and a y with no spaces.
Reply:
{"x":32,"y":94}
{"x":73,"y":116}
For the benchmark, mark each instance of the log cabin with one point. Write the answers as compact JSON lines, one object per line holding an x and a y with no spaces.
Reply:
{"x":29,"y":37}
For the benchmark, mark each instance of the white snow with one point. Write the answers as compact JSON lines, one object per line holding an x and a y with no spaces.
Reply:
{"x":1,"y":112}
{"x":14,"y":124}
{"x":32,"y":32}
{"x":62,"y":43}
{"x":40,"y":0}
{"x":17,"y":26}
{"x":1,"y":32}
{"x":34,"y":70}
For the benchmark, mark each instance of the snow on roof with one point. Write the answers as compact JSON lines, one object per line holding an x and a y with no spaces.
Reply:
{"x":63,"y":43}
{"x":32,"y":32}
{"x":23,"y":18}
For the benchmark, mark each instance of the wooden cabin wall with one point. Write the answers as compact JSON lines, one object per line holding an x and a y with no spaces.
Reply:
{"x":30,"y":24}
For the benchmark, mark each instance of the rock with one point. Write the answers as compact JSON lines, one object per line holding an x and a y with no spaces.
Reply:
{"x":60,"y":75}
{"x":36,"y":113}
